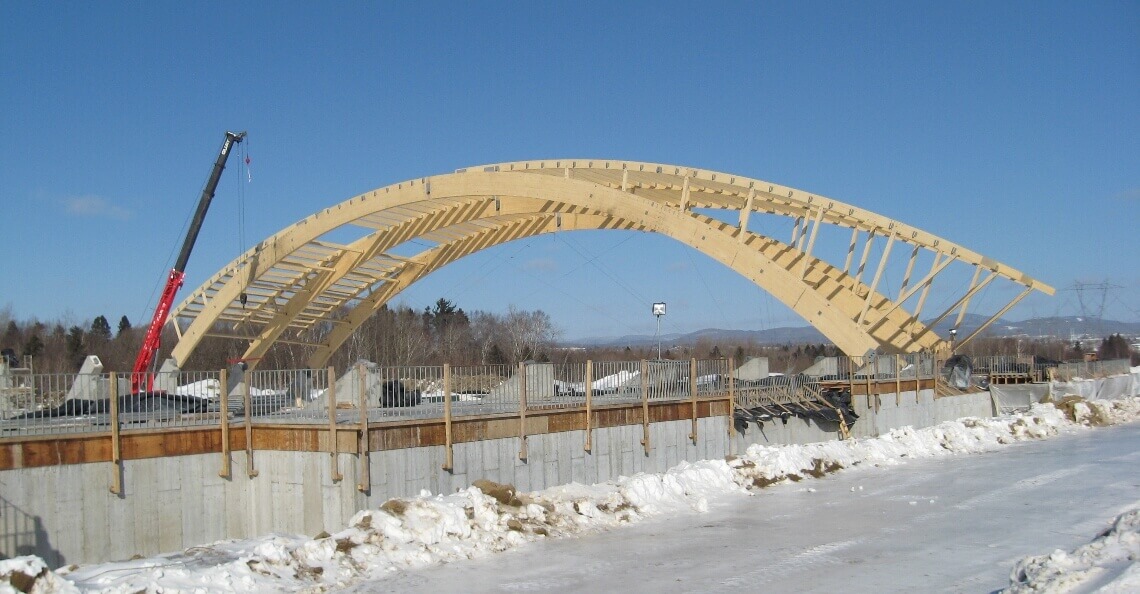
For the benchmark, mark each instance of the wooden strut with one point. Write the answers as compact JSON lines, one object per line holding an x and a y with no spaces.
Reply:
{"x":522,"y":411}
{"x":645,"y":405}
{"x":365,"y":484}
{"x":334,"y":446}
{"x":449,"y":455}
{"x":589,"y":447}
{"x":116,"y":441}
{"x":693,"y":396}
{"x":224,"y":399}
{"x":249,"y":469}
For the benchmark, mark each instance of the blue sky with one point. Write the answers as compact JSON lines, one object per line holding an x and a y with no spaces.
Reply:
{"x":1011,"y":128}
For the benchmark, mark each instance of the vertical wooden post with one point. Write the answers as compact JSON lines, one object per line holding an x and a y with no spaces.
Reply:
{"x":449,"y":459}
{"x":851,"y":378}
{"x":249,"y":469}
{"x":522,"y":411}
{"x":365,"y":484}
{"x":589,"y":405}
{"x":731,"y":404}
{"x":693,"y":396}
{"x":917,"y":377}
{"x":645,"y":405}
{"x":334,"y":454}
{"x":116,"y":449}
{"x":898,"y":383}
{"x":872,"y":401}
{"x":224,"y":423}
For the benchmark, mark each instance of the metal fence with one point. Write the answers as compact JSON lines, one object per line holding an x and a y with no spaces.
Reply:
{"x":47,"y":404}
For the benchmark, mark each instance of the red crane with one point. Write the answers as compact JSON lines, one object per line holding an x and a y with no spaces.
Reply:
{"x":153,"y":339}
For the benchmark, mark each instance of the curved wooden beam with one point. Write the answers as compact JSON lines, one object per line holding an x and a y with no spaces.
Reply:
{"x":295,"y":280}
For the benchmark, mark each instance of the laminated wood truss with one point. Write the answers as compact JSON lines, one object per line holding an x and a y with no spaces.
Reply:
{"x":302,"y":286}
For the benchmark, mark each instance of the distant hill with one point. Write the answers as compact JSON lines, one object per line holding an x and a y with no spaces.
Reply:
{"x":1059,"y":327}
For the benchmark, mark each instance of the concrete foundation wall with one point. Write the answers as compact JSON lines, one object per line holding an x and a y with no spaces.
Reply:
{"x":67,"y":514}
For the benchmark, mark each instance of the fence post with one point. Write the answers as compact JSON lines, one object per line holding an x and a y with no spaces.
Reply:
{"x":917,"y":376}
{"x":589,"y":405}
{"x":116,"y":449}
{"x":645,"y":405}
{"x":334,"y":454}
{"x":224,"y":401}
{"x":693,"y":396}
{"x":522,"y":411}
{"x":868,"y":374}
{"x":850,"y":377}
{"x":249,"y":469}
{"x":365,"y":484}
{"x":731,"y":403}
{"x":898,"y":383}
{"x":448,"y":463}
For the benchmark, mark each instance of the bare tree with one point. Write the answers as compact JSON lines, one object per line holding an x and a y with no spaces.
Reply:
{"x":528,"y":333}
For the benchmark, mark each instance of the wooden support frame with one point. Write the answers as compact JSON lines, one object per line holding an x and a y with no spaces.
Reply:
{"x":851,"y":251}
{"x":693,"y":396}
{"x":645,"y":405}
{"x":522,"y":411}
{"x":589,"y":446}
{"x":745,"y":213}
{"x":364,"y":485}
{"x":685,"y":193}
{"x":811,"y":242}
{"x":224,"y":400}
{"x":250,"y":470}
{"x":449,"y":454}
{"x":866,"y":254}
{"x":961,"y":301}
{"x":334,"y":446}
{"x":116,"y":439}
{"x":878,"y":275}
{"x":511,"y":201}
{"x":1024,"y":293}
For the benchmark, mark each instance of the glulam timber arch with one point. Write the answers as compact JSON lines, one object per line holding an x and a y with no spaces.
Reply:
{"x":298,"y":284}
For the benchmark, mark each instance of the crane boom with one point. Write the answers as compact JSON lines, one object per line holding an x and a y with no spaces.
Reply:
{"x":153,"y":339}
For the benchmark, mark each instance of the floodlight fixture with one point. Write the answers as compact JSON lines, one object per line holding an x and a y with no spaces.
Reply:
{"x":659,"y":310}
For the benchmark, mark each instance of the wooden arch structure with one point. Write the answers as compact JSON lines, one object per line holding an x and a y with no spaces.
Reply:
{"x":299,"y":284}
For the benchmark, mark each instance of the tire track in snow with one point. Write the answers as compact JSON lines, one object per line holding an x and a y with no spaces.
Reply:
{"x":820,"y":554}
{"x":1019,"y":486}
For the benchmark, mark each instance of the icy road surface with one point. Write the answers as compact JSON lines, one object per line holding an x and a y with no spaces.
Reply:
{"x":956,"y":524}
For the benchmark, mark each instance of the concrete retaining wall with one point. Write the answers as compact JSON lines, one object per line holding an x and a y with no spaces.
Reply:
{"x":67,"y":514}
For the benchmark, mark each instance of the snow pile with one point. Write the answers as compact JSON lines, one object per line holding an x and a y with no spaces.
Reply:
{"x":410,"y":533}
{"x":31,"y":574}
{"x":490,"y":517}
{"x":764,"y":465}
{"x":1110,"y":563}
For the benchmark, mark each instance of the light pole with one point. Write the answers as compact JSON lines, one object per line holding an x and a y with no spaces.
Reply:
{"x":659,"y":310}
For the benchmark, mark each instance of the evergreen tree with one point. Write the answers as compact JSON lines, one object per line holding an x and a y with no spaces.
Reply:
{"x":34,"y":346}
{"x":1114,"y":347}
{"x":75,"y":344}
{"x":124,"y":325}
{"x":101,"y":328}
{"x":12,"y":336}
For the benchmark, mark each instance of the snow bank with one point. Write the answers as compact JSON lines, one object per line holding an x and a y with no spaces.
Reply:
{"x":1110,"y":563}
{"x":489,"y":517}
{"x":31,"y":574}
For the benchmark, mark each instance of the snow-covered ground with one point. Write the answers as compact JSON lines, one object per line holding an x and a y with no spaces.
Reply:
{"x":390,"y":548}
